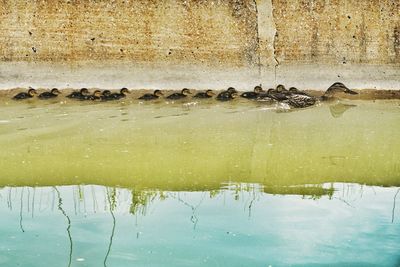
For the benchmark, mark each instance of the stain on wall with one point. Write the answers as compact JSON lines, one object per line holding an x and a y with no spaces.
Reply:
{"x":337,"y":31}
{"x":202,"y":43}
{"x":202,"y":31}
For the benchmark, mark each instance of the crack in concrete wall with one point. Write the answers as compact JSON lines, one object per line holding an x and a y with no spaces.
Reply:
{"x":258,"y":38}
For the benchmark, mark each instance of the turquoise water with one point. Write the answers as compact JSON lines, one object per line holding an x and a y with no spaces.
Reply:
{"x":238,"y":225}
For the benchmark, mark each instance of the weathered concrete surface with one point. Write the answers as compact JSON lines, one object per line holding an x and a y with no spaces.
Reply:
{"x":199,"y":43}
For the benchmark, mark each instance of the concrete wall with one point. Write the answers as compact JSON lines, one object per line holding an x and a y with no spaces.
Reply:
{"x":199,"y":43}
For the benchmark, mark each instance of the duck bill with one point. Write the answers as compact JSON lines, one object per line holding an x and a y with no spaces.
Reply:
{"x":351,"y":92}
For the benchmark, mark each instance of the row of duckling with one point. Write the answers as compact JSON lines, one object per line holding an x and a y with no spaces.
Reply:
{"x":292,"y":96}
{"x":83,"y":94}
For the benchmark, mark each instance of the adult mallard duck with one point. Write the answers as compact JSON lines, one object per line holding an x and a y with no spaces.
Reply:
{"x":299,"y":99}
{"x":335,"y":89}
{"x":25,"y":95}
{"x":155,"y":95}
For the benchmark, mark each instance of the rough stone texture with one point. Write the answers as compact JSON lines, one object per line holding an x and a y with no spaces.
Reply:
{"x":199,"y":43}
{"x":139,"y":31}
{"x":338,"y":31}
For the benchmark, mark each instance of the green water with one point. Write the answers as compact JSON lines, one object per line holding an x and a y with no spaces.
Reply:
{"x":199,"y":184}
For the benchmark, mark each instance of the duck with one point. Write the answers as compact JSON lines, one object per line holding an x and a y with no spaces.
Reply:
{"x":206,"y":94}
{"x":299,"y":99}
{"x":294,"y":90}
{"x":115,"y":96}
{"x":52,"y":94}
{"x":335,"y":89}
{"x":80,"y":94}
{"x":227,"y":95}
{"x":184,"y":93}
{"x":105,"y":95}
{"x":231,"y":90}
{"x":279,"y":93}
{"x":95,"y":96}
{"x":155,"y":95}
{"x":253,"y":95}
{"x":25,"y":95}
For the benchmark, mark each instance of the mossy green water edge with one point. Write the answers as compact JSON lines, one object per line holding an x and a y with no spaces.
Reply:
{"x":199,"y":146}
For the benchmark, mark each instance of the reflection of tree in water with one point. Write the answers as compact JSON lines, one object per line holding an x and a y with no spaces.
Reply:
{"x":193,"y":218}
{"x":142,"y":199}
{"x":394,"y":204}
{"x":111,"y":197}
{"x":306,"y":191}
{"x":68,"y":226}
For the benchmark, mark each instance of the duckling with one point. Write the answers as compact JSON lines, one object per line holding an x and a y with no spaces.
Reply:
{"x":31,"y":92}
{"x":105,"y":95}
{"x":227,"y":95}
{"x":52,"y":94}
{"x":335,"y":89}
{"x":184,"y":93}
{"x":155,"y":95}
{"x":253,"y":95}
{"x":206,"y":94}
{"x":277,"y":94}
{"x":281,"y":89}
{"x":231,"y":90}
{"x":95,"y":96}
{"x":81,"y":94}
{"x":115,"y":96}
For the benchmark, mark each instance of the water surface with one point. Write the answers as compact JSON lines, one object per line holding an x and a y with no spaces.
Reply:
{"x":199,"y":184}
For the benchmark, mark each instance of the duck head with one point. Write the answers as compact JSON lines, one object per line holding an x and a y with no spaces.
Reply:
{"x":210,"y":93}
{"x":124,"y":91}
{"x":97,"y":93}
{"x":338,"y":88}
{"x":231,"y":90}
{"x":280,"y":88}
{"x":294,"y":90}
{"x":32,"y":92}
{"x":55,"y":91}
{"x":106,"y":93}
{"x":84,"y":91}
{"x":185,"y":91}
{"x":258,"y":89}
{"x":158,"y":93}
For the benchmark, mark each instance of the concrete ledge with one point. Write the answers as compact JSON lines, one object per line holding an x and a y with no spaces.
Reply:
{"x":114,"y":75}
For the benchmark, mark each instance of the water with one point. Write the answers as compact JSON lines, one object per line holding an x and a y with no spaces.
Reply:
{"x":237,"y":225}
{"x":199,"y":184}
